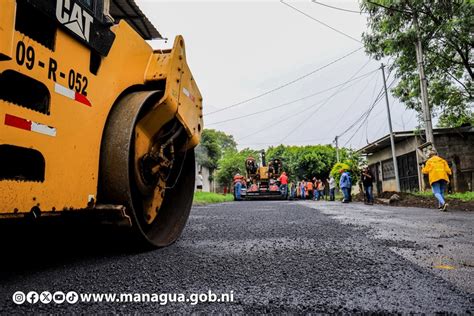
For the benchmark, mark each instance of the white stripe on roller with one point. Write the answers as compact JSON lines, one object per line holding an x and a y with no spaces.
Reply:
{"x":43,"y":129}
{"x":64,"y":91}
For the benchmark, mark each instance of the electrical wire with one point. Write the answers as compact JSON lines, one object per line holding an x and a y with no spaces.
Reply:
{"x":318,"y":108}
{"x":293,"y":101}
{"x":320,"y":22}
{"x":283,"y":85}
{"x":337,"y":8}
{"x":367,"y":113}
{"x":362,"y":123}
{"x":355,"y":100}
{"x":299,"y":141}
{"x":377,"y":99}
{"x":286,"y":117}
{"x":379,"y":96}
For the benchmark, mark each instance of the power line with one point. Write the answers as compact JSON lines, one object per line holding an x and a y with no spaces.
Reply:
{"x":337,"y":8}
{"x":367,"y":113}
{"x":364,"y":115}
{"x":320,"y":22}
{"x":283,"y":85}
{"x":363,"y":121}
{"x":293,"y":101}
{"x":298,"y":141}
{"x":357,"y":98}
{"x":281,"y":118}
{"x":285,"y":116}
{"x":318,"y":108}
{"x":379,"y":96}
{"x":377,"y":99}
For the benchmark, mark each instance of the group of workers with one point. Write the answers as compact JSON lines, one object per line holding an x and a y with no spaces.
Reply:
{"x":436,"y":168}
{"x":314,"y":189}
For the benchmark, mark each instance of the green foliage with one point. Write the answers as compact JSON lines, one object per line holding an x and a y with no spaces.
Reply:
{"x":465,"y":196}
{"x":233,"y":162}
{"x":445,"y":28}
{"x":453,"y":117}
{"x":336,"y":171}
{"x":305,"y":162}
{"x":225,"y":142}
{"x":299,"y":162}
{"x":213,"y":145}
{"x":352,"y":165}
{"x":202,"y":198}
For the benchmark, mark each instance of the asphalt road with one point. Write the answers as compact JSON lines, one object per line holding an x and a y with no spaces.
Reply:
{"x":442,"y":242}
{"x":272,"y":257}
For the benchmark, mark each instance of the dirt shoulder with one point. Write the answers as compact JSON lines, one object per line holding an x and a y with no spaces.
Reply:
{"x":408,"y":199}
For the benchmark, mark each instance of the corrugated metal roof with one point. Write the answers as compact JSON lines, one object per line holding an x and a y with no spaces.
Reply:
{"x":384,"y":142}
{"x":129,"y":11}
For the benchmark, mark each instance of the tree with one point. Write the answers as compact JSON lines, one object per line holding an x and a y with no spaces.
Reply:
{"x":336,"y":171}
{"x":351,"y":162}
{"x":213,"y":145}
{"x":305,"y":161}
{"x":224,"y":141}
{"x":445,"y":27}
{"x":233,"y":162}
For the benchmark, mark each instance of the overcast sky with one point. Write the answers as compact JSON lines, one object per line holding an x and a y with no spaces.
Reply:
{"x":238,"y":50}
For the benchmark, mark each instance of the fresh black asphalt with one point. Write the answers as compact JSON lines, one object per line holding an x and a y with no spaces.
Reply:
{"x":275,"y":256}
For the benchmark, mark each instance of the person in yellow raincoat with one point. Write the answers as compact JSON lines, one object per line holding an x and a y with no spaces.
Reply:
{"x":438,"y":173}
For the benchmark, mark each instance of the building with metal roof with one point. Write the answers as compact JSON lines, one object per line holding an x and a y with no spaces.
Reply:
{"x":456,"y":145}
{"x":129,"y":11}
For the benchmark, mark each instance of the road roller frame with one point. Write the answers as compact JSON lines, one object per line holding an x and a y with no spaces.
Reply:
{"x":57,"y":96}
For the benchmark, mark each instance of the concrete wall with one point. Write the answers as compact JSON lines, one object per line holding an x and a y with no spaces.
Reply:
{"x":206,"y":184}
{"x":401,"y":148}
{"x":456,"y":148}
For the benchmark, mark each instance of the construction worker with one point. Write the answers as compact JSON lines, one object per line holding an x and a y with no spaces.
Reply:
{"x":332,"y":188}
{"x":310,"y":189}
{"x":199,"y":182}
{"x":283,"y":183}
{"x":367,"y":180}
{"x":320,"y":188}
{"x":302,"y":189}
{"x":345,"y":185}
{"x":238,"y":186}
{"x":438,"y":173}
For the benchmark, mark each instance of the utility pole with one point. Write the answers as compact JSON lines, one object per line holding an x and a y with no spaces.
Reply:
{"x":392,"y":138}
{"x":424,"y":89}
{"x":337,"y":148}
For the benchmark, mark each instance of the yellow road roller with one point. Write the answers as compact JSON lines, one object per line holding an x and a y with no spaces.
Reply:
{"x":93,"y":121}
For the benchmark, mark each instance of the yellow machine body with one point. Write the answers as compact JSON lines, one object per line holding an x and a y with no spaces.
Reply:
{"x":69,"y":136}
{"x":263,"y":172}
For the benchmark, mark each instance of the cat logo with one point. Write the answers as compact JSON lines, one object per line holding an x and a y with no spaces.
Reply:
{"x":74,"y":18}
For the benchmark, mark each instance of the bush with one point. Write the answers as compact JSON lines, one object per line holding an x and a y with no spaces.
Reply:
{"x":348,"y":166}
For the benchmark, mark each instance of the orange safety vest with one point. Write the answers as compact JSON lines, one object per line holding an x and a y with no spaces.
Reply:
{"x":238,"y":178}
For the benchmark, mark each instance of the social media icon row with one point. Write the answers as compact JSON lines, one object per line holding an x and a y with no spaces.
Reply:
{"x":45,"y":297}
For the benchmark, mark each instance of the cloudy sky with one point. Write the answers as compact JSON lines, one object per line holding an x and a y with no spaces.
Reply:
{"x":274,"y":56}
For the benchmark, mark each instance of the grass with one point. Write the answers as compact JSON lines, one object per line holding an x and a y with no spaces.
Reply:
{"x":203,"y":198}
{"x":465,"y":197}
